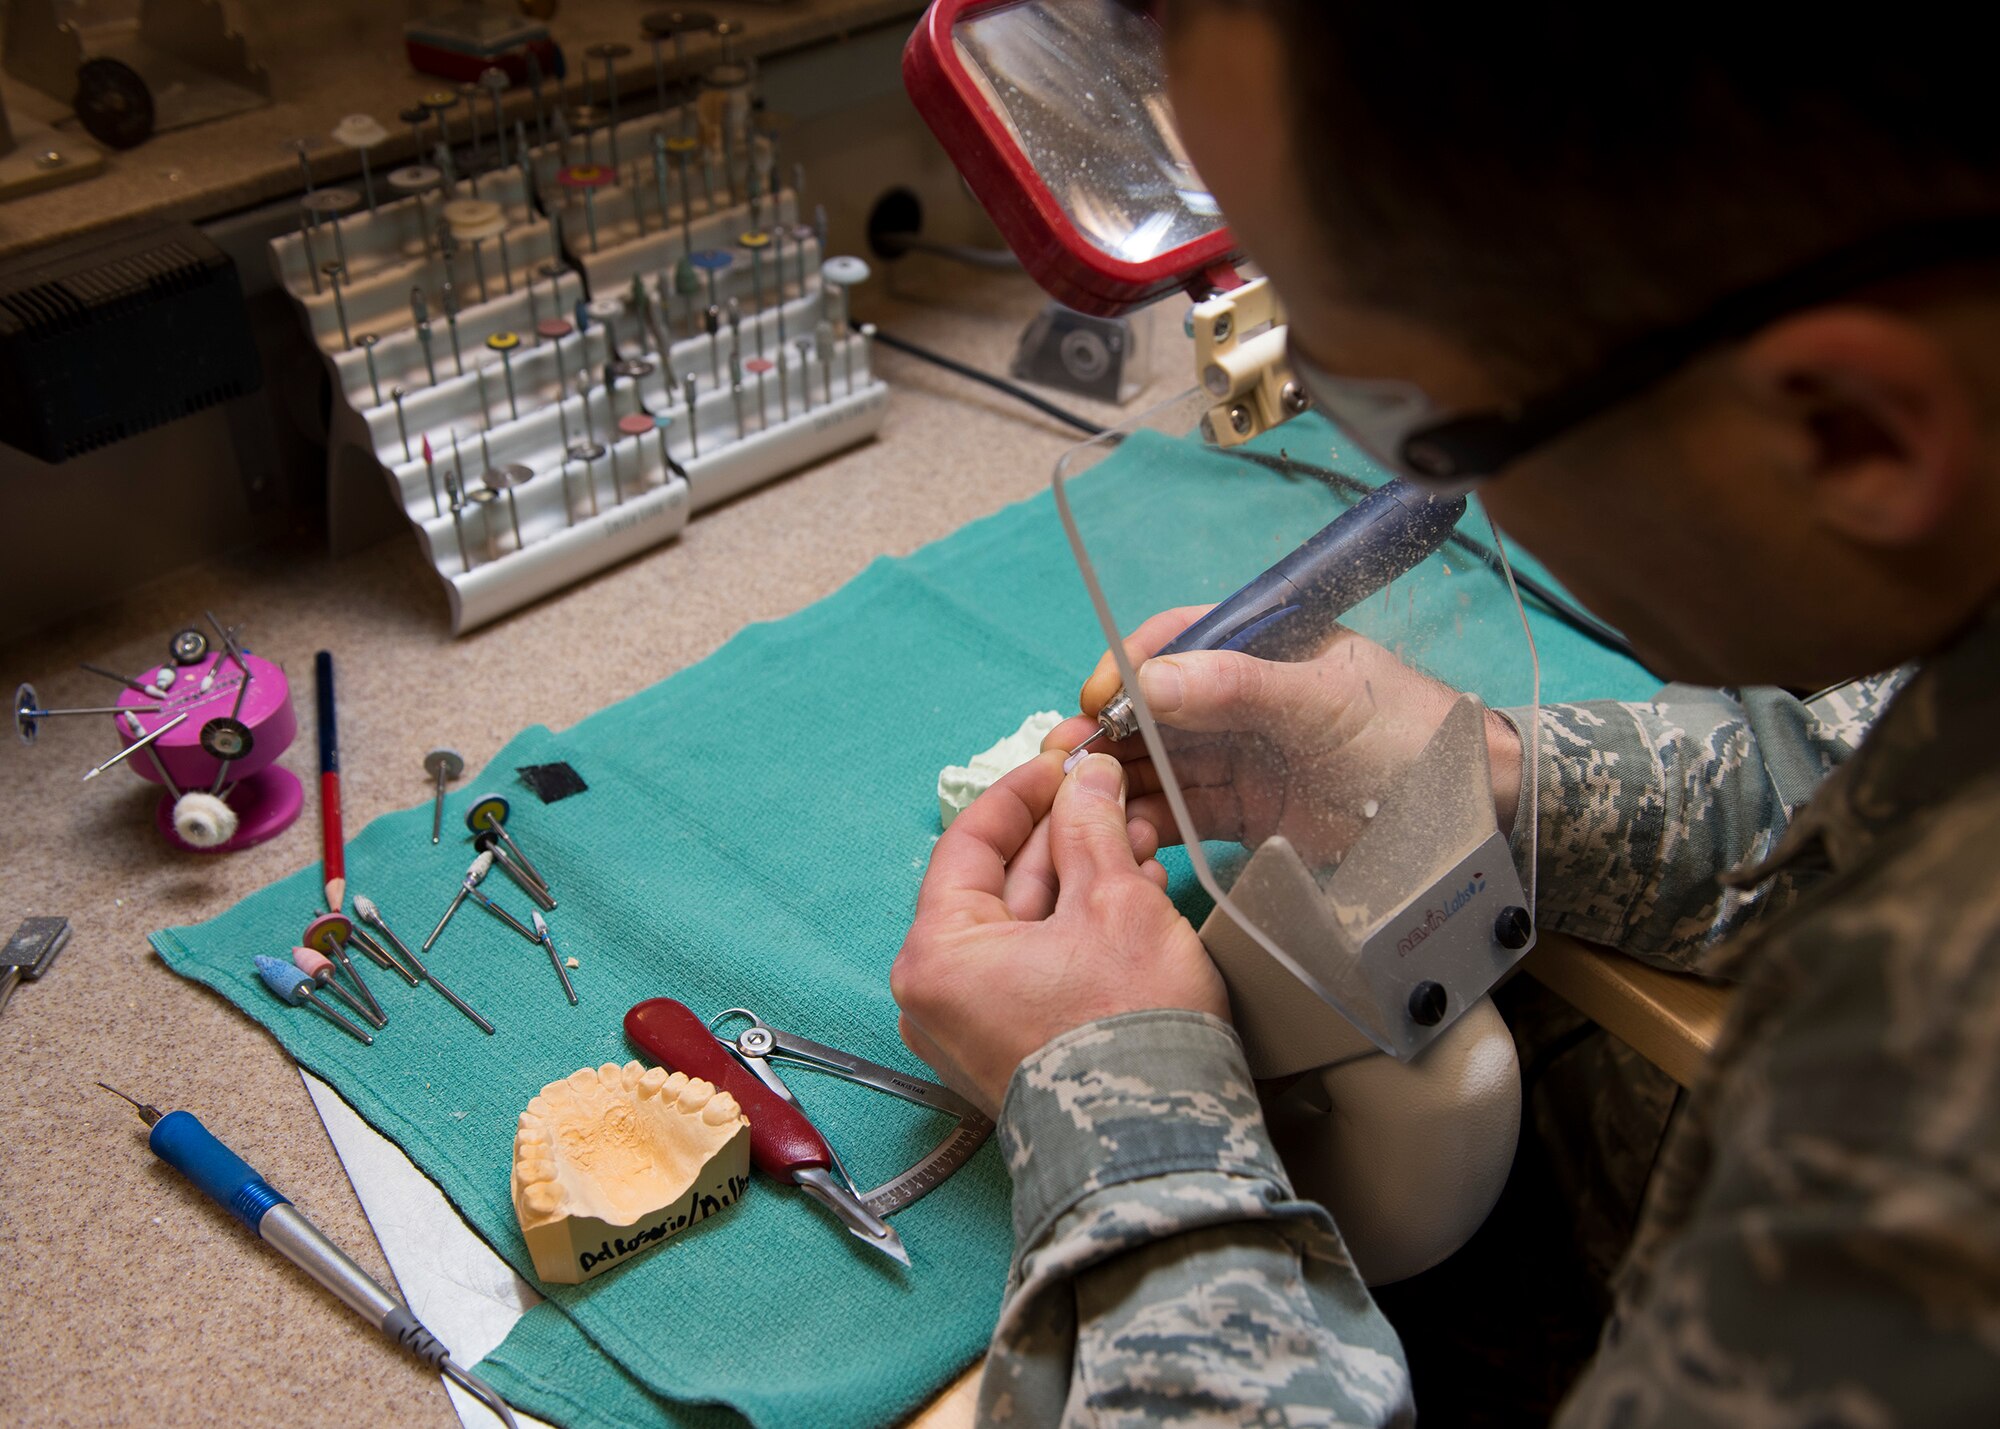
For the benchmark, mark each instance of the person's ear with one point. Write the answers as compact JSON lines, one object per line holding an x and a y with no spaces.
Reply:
{"x":1885,"y":420}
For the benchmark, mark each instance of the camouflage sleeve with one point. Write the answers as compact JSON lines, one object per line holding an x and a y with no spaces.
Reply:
{"x":1164,"y":1272}
{"x":1642,"y":807}
{"x":1821,"y":1244}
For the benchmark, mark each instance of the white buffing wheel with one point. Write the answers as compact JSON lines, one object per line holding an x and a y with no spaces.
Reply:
{"x":204,"y":820}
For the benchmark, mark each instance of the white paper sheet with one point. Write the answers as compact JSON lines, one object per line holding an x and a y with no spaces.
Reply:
{"x":452,"y":1281}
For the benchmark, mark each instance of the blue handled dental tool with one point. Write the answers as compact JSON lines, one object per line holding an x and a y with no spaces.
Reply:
{"x":179,"y":1139}
{"x":1287,"y":612}
{"x":298,"y":989}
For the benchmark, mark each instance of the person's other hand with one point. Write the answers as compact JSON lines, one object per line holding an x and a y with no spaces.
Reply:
{"x":997,"y":964}
{"x":1262,"y":747}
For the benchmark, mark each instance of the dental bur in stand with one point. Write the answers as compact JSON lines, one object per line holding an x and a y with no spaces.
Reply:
{"x":180,"y":1140}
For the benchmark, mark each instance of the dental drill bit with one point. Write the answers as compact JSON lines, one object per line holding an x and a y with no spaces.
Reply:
{"x":662,"y":343}
{"x":553,"y":331}
{"x":372,"y":916}
{"x":443,"y":765}
{"x":430,"y":472}
{"x":416,"y":116}
{"x":617,"y":481}
{"x":680,"y":146}
{"x":450,"y":295}
{"x":637,"y":425}
{"x":489,"y":814}
{"x":804,"y":346}
{"x":366,"y":342}
{"x":458,"y":522}
{"x":475,"y":157}
{"x":778,"y":272}
{"x":334,"y":274}
{"x":611,"y":54}
{"x":420,"y":311}
{"x":315,"y":965}
{"x":660,"y":181}
{"x":823,"y":345}
{"x":402,"y":427}
{"x":711,"y":321}
{"x":124,"y":680}
{"x":328,"y":205}
{"x":555,"y":958}
{"x":361,"y":132}
{"x":504,"y":479}
{"x":382,"y":958}
{"x":28,"y":714}
{"x":487,"y":843}
{"x":524,"y":160}
{"x":472,"y":891}
{"x":756,"y":243}
{"x":306,"y":227}
{"x":687,"y":395}
{"x":762,"y":367}
{"x":327,"y":936}
{"x":494,"y":81}
{"x":504,"y":343}
{"x":668,"y":466}
{"x":144,"y":742}
{"x":298,"y":989}
{"x":588,"y":453}
{"x":472,"y":876}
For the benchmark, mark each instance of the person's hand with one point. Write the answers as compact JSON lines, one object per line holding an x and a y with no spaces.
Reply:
{"x":1039,"y":914}
{"x":1262,"y":747}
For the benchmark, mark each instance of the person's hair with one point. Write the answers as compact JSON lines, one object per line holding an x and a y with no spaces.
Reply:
{"x":1547,"y":179}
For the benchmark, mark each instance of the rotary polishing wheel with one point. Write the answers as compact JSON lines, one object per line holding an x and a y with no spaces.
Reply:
{"x":486,"y":812}
{"x":327,"y":932}
{"x":25,"y":723}
{"x":227,"y":739}
{"x":188,"y":647}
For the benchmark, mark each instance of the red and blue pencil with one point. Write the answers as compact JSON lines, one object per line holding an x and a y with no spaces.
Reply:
{"x":333,"y":861}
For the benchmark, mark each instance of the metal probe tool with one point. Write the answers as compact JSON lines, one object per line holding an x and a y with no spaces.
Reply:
{"x":179,"y":1139}
{"x":1286,"y":613}
{"x":549,"y":943}
{"x":371,"y":915}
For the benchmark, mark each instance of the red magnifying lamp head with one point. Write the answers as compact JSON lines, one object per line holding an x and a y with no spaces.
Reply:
{"x":1055,"y":112}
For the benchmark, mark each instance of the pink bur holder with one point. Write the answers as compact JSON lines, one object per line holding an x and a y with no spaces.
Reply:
{"x":265,"y":798}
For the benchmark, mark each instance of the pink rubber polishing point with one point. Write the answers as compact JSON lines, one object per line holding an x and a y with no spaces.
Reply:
{"x":310,"y":963}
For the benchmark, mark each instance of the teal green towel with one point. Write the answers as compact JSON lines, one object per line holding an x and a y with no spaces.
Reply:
{"x":753,"y":834}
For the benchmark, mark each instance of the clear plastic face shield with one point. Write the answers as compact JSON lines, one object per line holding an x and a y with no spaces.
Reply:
{"x":1324,"y":753}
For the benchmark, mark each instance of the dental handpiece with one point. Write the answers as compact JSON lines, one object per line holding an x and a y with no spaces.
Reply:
{"x":1286,"y":613}
{"x":179,"y":1139}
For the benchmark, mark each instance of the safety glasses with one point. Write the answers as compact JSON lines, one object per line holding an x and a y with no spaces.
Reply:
{"x":1402,"y":429}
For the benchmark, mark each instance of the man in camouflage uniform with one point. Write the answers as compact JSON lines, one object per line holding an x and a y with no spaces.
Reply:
{"x":1496,"y":201}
